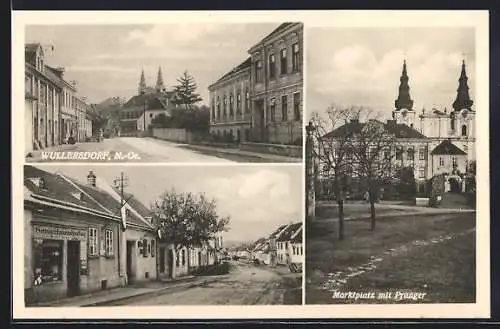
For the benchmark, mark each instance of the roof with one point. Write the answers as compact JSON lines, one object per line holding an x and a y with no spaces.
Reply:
{"x":277,"y":30}
{"x":154,"y":100}
{"x":290,"y":232}
{"x":398,"y":130}
{"x":447,"y":148}
{"x":58,"y":188}
{"x":278,"y":230}
{"x":246,"y":64}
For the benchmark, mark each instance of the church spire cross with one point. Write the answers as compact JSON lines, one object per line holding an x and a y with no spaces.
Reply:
{"x":404,"y":100}
{"x":463,"y":100}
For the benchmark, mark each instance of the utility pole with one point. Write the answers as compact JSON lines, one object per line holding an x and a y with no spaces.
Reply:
{"x":120,"y":183}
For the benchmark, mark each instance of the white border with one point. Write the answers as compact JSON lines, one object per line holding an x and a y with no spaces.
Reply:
{"x":477,"y":19}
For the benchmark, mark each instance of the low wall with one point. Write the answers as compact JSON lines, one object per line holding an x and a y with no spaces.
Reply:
{"x":278,"y":149}
{"x":173,"y":134}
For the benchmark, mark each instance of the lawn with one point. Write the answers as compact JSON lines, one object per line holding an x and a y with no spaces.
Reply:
{"x":352,"y":209}
{"x":444,"y":270}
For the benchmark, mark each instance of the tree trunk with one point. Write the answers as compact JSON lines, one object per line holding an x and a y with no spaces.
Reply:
{"x":372,"y":210}
{"x":340,"y":203}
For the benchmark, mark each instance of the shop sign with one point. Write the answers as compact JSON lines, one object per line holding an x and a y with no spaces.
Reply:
{"x":58,"y":233}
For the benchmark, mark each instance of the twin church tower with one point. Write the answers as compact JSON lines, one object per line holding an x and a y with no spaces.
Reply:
{"x":145,"y":89}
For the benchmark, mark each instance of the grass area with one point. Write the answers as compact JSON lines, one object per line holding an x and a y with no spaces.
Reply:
{"x":358,"y":209}
{"x":447,"y":269}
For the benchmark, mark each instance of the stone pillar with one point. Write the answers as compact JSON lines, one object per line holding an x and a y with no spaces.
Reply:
{"x":310,"y":195}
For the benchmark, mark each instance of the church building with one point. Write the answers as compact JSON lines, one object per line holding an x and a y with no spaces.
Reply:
{"x":139,"y":111}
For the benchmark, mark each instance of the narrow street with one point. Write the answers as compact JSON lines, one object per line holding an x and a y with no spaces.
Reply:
{"x":246,"y":284}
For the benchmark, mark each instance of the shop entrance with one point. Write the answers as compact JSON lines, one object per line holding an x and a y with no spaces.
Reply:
{"x":73,"y":273}
{"x":130,"y":259}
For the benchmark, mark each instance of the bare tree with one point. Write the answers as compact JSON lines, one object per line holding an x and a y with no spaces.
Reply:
{"x":373,"y":149}
{"x":333,"y":151}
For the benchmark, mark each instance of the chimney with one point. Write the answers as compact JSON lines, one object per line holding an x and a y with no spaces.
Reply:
{"x":91,"y":178}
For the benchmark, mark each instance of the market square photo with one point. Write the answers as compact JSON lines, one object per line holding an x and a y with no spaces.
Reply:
{"x":391,"y":165}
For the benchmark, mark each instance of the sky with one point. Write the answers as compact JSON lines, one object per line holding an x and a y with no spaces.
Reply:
{"x":257,"y":198}
{"x":106,"y":60}
{"x":362,"y":66}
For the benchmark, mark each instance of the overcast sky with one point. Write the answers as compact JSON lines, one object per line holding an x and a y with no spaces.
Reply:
{"x":362,"y":66}
{"x":106,"y":61}
{"x":258,"y":198}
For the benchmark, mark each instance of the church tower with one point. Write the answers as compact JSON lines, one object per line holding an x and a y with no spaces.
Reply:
{"x":404,"y":113}
{"x":142,"y":84}
{"x":159,"y":82}
{"x":463,"y":100}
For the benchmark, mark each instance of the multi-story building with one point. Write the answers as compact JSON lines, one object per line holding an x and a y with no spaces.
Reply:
{"x":434,"y":143}
{"x":261,"y":99}
{"x":84,"y":124}
{"x":230,"y":108}
{"x":42,"y":101}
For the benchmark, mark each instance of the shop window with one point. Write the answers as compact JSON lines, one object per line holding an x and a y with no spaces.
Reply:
{"x":93,"y":241}
{"x":48,"y":260}
{"x":109,"y":243}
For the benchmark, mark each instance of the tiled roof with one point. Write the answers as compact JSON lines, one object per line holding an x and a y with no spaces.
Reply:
{"x":56,"y":187}
{"x":290,"y":230}
{"x":354,"y":127}
{"x":278,"y":230}
{"x":447,"y":148}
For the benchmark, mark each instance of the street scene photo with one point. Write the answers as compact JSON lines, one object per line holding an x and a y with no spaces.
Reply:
{"x":391,"y":166}
{"x":164,"y":93}
{"x":162,"y":235}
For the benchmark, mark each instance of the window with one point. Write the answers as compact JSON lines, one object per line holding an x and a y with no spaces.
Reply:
{"x":213,"y":110}
{"x":247,"y":102}
{"x":409,"y":154}
{"x":48,"y":260}
{"x":273,"y":110}
{"x":454,"y":161}
{"x":464,"y":130}
{"x":421,"y":153}
{"x":293,"y":250}
{"x":109,"y":242}
{"x":421,"y":173}
{"x":283,"y":61}
{"x":150,"y":115}
{"x":441,"y":161}
{"x":183,"y":257}
{"x":295,"y":57}
{"x":272,"y":66}
{"x":93,"y":241}
{"x":284,"y":108}
{"x":149,"y":248}
{"x":296,"y":106}
{"x":258,"y":71}
{"x":225,"y":107}
{"x":218,"y":107}
{"x":286,"y":245}
{"x":231,"y":105}
{"x":238,"y":103}
{"x":399,"y":154}
{"x":452,"y":122}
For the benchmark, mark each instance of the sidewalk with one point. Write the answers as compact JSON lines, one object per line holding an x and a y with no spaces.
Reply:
{"x":266,"y":156}
{"x":101,"y":298}
{"x":58,"y":148}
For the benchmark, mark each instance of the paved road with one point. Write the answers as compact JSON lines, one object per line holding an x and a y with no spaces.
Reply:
{"x":131,"y":149}
{"x":245,"y":285}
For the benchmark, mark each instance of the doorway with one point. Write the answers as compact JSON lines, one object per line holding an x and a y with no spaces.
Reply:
{"x":73,"y":269}
{"x":454,"y":185}
{"x":130,"y":259}
{"x":170,"y":262}
{"x":162,"y":260}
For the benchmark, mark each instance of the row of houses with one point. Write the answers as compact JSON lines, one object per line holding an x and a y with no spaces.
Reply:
{"x":54,"y":112}
{"x":79,"y":239}
{"x":283,"y":247}
{"x":261,"y":99}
